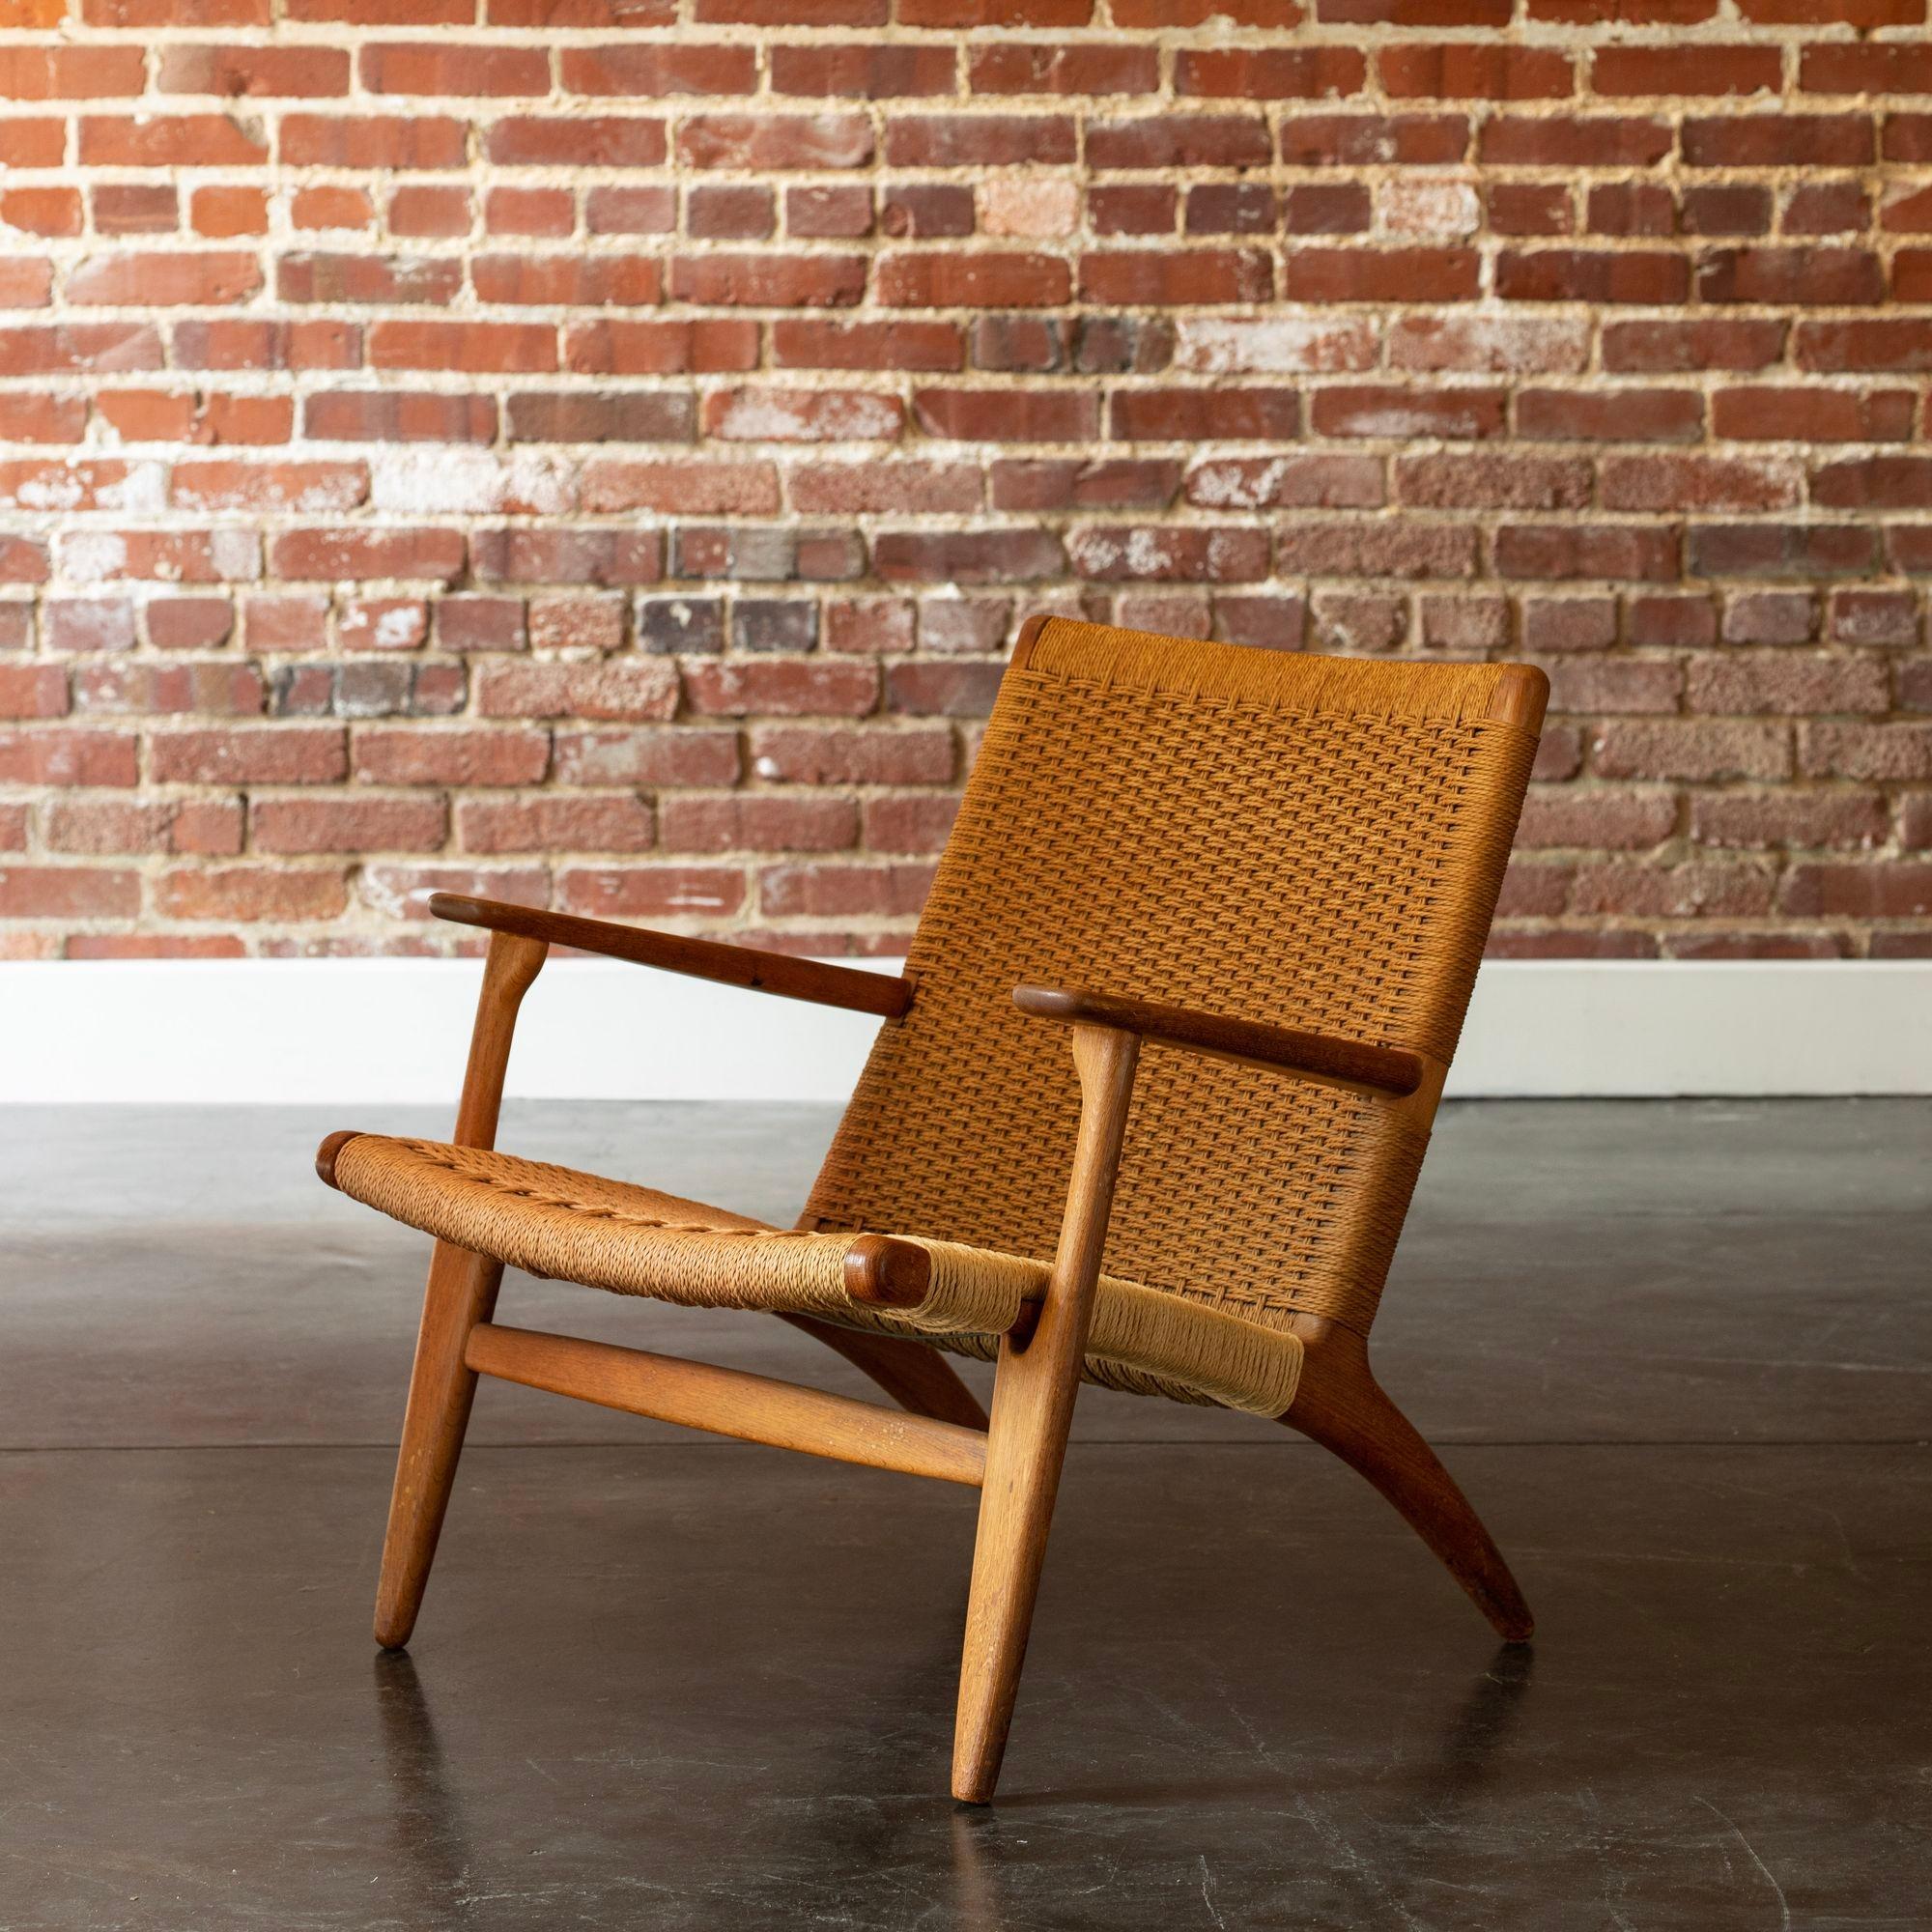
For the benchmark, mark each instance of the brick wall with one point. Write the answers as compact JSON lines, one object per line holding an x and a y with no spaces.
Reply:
{"x":598,"y":451}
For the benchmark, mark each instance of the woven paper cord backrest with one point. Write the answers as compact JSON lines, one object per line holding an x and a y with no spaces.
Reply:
{"x":1315,"y":841}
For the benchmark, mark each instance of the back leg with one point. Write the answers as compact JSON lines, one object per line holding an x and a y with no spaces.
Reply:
{"x":1341,"y":1406}
{"x":917,"y":1378}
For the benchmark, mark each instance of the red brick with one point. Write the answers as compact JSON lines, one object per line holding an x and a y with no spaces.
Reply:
{"x":269,"y":487}
{"x":1698,"y":749}
{"x":248,"y":755}
{"x":67,"y":755}
{"x":1769,"y":821}
{"x":1340,"y":140}
{"x":453,"y":68}
{"x":208,"y":827}
{"x":549,"y":822}
{"x":1890,"y":66}
{"x":346,"y":824}
{"x":769,"y":281}
{"x":1041,"y":67}
{"x":1465,"y":70}
{"x":1897,"y":890}
{"x":1597,"y":817}
{"x":1587,"y":549}
{"x":1191,"y":277}
{"x":890,"y":485}
{"x":655,"y":891}
{"x":520,"y":687}
{"x":475,"y":348}
{"x":74,"y":73}
{"x":188,"y":623}
{"x":153,"y":278}
{"x":1500,"y":480}
{"x":1874,"y":617}
{"x":250,"y":892}
{"x":1693,"y":890}
{"x":1771,"y":618}
{"x":1375,"y":549}
{"x":1786,"y":683}
{"x":909,"y":821}
{"x":1791,"y":414}
{"x":872,"y":626}
{"x":1780,"y":549}
{"x":1736,"y":208}
{"x":1596,"y":141}
{"x":1177,"y":414}
{"x":1816,"y":276}
{"x":1273,"y":74}
{"x":692,"y":488}
{"x":1682,"y":481}
{"x":27,"y":417}
{"x":634,"y":68}
{"x":33,"y":691}
{"x":1069,"y":483}
{"x":451,"y":754}
{"x":682,"y":755}
{"x":866,"y":71}
{"x":927,"y":280}
{"x":921,"y":346}
{"x":1008,"y":415}
{"x":1591,"y":275}
{"x":1177,"y":141}
{"x":967,"y":556}
{"x":384,"y":141}
{"x":850,"y":755}
{"x":944,"y":690}
{"x":1611,"y":414}
{"x":68,"y":892}
{"x":776,"y":141}
{"x":399,"y":415}
{"x":1405,"y":412}
{"x":1876,"y":752}
{"x":287,"y":72}
{"x":826,"y":889}
{"x":1380,"y":274}
{"x":1684,"y":346}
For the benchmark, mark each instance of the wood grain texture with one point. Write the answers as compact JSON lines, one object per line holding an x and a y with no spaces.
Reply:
{"x":779,"y":973}
{"x":728,"y":1402}
{"x":1311,"y":1056}
{"x":1521,"y":697}
{"x":1340,"y":1405}
{"x":1034,"y":1392}
{"x":916,"y":1376}
{"x":887,"y":1273}
{"x":461,"y":1292}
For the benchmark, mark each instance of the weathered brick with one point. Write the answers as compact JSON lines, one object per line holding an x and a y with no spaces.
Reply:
{"x":1373,"y":338}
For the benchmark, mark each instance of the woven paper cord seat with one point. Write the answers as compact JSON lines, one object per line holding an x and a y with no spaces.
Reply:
{"x":634,"y":1241}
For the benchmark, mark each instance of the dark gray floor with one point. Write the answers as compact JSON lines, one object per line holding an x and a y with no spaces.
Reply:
{"x":1681,"y":1356}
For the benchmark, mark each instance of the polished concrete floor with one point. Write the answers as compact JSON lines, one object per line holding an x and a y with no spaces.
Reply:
{"x":1680,"y":1356}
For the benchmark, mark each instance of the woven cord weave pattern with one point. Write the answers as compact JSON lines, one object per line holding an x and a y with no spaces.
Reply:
{"x":1306,"y":841}
{"x":634,"y":1241}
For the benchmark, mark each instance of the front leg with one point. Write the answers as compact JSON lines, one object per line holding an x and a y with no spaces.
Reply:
{"x":461,"y":1291}
{"x":1033,"y":1391}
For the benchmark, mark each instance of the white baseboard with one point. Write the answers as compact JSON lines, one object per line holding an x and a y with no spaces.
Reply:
{"x":374,"y":1031}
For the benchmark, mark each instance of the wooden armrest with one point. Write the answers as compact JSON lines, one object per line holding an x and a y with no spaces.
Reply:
{"x":1313,"y":1056}
{"x":779,"y":973}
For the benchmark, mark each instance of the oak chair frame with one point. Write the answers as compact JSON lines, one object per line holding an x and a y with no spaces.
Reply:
{"x":1015,"y":1454}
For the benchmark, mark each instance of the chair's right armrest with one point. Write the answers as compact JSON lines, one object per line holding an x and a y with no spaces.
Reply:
{"x":781,"y":972}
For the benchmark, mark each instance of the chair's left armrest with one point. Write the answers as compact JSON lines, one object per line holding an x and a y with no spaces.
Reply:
{"x":1386,"y":1071}
{"x":779,"y":973}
